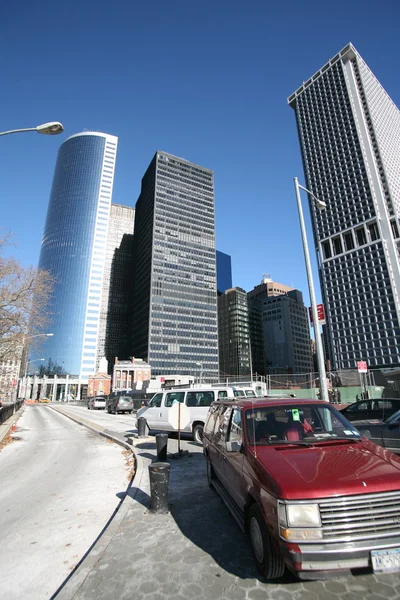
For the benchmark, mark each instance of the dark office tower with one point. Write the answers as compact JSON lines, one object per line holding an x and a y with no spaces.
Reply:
{"x":234,"y":334}
{"x":287,"y":333}
{"x":174,"y":310}
{"x":74,"y":248}
{"x":224,"y":272}
{"x":349,"y":132}
{"x":114,"y":335}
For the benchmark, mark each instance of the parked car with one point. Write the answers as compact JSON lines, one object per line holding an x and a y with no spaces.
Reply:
{"x":120,"y":404}
{"x":198,"y":400}
{"x":386,"y":432}
{"x":374,"y":408}
{"x":44,"y":400}
{"x":97,"y":402}
{"x":312,"y":493}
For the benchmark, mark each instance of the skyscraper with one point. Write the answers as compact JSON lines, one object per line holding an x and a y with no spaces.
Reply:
{"x":349,"y":131}
{"x":287,"y":333}
{"x":234,"y":333}
{"x":74,"y":248}
{"x":114,"y":335}
{"x":174,"y":318}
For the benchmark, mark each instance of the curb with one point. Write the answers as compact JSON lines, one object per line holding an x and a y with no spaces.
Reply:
{"x":6,"y":427}
{"x":70,"y":586}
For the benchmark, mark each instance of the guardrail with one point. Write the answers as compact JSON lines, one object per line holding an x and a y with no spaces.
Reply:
{"x":7,"y":410}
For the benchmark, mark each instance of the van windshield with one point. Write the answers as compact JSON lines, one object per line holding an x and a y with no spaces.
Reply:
{"x":298,"y":423}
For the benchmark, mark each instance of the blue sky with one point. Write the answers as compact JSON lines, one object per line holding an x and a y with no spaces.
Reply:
{"x":207,"y":81}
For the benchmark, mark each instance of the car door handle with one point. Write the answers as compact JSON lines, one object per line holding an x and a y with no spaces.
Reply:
{"x":225,"y":457}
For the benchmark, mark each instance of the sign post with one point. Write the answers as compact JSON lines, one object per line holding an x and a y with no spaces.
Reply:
{"x":362,"y":368}
{"x":178,"y":418}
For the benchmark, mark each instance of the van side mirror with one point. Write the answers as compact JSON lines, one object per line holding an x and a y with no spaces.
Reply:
{"x":233,"y":446}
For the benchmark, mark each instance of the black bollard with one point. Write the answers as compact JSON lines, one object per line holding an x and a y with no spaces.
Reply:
{"x":161,"y":443}
{"x":141,"y":425}
{"x":159,"y":477}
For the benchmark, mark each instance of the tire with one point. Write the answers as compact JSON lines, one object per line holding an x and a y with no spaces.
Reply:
{"x":198,"y":433}
{"x":210,"y":473}
{"x":268,"y":561}
{"x":109,"y":410}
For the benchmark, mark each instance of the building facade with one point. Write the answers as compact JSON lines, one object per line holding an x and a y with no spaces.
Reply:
{"x":224,"y":272}
{"x":128,"y":375}
{"x":349,"y":131}
{"x":114,"y":335}
{"x":287,"y":334}
{"x":74,"y":248}
{"x":174,"y":315}
{"x":234,"y":333}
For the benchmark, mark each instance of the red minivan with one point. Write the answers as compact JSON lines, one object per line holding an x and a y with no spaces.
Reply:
{"x":312,"y":493}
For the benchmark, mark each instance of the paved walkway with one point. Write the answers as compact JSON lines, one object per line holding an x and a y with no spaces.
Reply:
{"x":195,"y":552}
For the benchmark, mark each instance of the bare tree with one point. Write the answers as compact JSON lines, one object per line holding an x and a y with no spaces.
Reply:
{"x":24,"y":295}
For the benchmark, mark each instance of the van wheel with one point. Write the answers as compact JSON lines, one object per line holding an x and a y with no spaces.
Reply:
{"x":198,"y":433}
{"x":210,"y":473}
{"x":268,"y":561}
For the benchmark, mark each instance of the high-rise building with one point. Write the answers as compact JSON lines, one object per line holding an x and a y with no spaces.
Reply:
{"x":114,"y":334}
{"x":74,"y":248}
{"x":349,"y":131}
{"x":268,"y":288}
{"x":287,"y":333}
{"x":224,"y":272}
{"x":234,"y":333}
{"x":174,"y":315}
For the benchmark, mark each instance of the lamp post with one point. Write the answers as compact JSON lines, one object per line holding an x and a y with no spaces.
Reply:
{"x":52,"y":128}
{"x":200,"y":364}
{"x":318,"y":342}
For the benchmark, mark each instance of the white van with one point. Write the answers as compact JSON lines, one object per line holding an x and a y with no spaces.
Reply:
{"x":198,"y":401}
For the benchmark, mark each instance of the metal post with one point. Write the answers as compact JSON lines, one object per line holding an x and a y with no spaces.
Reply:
{"x":318,"y":342}
{"x":161,"y":444}
{"x":141,"y":427}
{"x":159,"y":478}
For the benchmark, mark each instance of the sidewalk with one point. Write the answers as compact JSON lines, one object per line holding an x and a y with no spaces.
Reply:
{"x":195,"y":552}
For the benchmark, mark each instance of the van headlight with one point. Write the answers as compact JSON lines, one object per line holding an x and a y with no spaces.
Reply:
{"x":299,"y":522}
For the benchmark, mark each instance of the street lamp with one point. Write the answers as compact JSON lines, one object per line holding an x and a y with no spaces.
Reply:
{"x":200,"y":364}
{"x":318,"y":342}
{"x":29,"y":362}
{"x":52,"y":128}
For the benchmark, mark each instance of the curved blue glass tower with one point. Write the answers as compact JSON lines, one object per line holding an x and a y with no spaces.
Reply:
{"x":74,"y":247}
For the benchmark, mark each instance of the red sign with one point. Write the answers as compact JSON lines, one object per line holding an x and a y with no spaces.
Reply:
{"x":362,"y":366}
{"x":320,"y":313}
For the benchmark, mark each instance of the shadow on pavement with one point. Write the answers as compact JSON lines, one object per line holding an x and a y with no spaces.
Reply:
{"x":203,"y":518}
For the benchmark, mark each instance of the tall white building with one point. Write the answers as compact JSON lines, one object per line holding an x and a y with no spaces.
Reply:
{"x":349,"y":131}
{"x":114,"y":334}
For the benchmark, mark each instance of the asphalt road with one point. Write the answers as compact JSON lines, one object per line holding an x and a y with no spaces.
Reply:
{"x":59,"y":486}
{"x":120,"y":422}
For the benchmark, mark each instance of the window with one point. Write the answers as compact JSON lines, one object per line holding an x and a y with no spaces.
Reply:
{"x":348,"y":241}
{"x":373,"y":231}
{"x":337,"y":245}
{"x":235,"y":429}
{"x":361,"y":237}
{"x":327,"y":249}
{"x":173,"y":397}
{"x":222,"y":394}
{"x":155,"y":402}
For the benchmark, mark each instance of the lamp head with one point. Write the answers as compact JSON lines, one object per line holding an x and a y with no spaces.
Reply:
{"x":52,"y":128}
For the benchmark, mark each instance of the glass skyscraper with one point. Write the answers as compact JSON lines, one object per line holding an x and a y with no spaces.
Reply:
{"x":74,"y":248}
{"x":174,"y":309}
{"x":349,"y":130}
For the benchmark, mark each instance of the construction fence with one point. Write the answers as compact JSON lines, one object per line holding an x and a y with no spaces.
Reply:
{"x":344,"y":386}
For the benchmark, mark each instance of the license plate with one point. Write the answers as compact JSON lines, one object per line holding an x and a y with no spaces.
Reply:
{"x":386,"y":561}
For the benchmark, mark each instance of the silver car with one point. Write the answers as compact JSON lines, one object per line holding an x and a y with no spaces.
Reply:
{"x":98,"y":402}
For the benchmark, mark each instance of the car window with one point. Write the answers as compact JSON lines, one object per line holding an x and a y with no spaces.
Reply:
{"x":173,"y":397}
{"x":210,"y":423}
{"x":235,"y":427}
{"x":221,"y":426}
{"x":359,"y":406}
{"x":199,"y":398}
{"x":156,"y":401}
{"x":250,"y":394}
{"x":239,"y":393}
{"x":222,"y":394}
